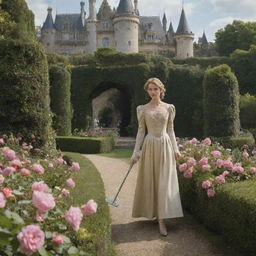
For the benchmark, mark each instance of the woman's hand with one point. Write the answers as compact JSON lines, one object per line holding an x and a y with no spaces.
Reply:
{"x":135,"y":157}
{"x":177,"y":155}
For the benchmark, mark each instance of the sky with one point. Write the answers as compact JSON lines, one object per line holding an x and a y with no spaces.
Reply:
{"x":202,"y":15}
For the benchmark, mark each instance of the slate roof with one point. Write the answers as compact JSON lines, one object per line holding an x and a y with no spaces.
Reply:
{"x":74,"y":19}
{"x":125,"y":6}
{"x":183,"y":27}
{"x":156,"y":24}
{"x":48,"y":24}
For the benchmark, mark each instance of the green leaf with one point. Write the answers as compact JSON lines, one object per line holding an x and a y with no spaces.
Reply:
{"x":5,"y":222}
{"x":73,"y":251}
{"x":43,"y":252}
{"x":17,"y":192}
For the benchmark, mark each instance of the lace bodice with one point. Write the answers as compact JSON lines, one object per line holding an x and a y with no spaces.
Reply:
{"x":158,"y":122}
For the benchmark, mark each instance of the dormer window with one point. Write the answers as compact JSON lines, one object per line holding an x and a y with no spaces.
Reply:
{"x":105,"y":41}
{"x":151,"y":37}
{"x":105,"y":25}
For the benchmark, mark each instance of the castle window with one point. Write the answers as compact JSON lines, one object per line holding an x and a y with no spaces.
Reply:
{"x":151,"y":37}
{"x":129,"y":43}
{"x":65,"y":26}
{"x":104,"y":24}
{"x":105,"y":41}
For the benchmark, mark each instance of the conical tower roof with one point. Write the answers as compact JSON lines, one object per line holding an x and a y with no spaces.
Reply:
{"x":183,"y":27}
{"x":125,"y":6}
{"x":170,"y":30}
{"x":105,"y":10}
{"x":204,"y":39}
{"x":48,"y":24}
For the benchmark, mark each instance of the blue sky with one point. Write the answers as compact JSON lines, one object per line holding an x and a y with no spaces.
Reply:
{"x":208,"y":15}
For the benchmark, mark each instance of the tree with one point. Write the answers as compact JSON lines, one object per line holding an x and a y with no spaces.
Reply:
{"x":238,"y":35}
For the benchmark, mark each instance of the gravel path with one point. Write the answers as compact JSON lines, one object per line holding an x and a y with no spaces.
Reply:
{"x":139,"y":236}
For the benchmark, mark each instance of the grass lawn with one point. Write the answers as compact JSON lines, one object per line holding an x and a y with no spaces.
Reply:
{"x":119,"y":153}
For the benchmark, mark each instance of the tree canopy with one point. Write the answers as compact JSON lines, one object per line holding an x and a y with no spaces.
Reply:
{"x":238,"y":35}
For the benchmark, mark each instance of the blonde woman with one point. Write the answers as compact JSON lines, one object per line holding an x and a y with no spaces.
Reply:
{"x":157,"y":189}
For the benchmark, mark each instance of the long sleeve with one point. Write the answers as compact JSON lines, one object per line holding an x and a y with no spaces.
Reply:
{"x":170,"y":128}
{"x":141,"y":131}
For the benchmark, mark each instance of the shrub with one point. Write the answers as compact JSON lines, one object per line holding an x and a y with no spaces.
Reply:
{"x":247,"y":111}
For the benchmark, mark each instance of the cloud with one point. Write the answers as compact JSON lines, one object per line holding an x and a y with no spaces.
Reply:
{"x":39,"y":8}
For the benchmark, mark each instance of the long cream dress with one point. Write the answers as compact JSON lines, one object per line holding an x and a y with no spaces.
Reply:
{"x":157,"y":189}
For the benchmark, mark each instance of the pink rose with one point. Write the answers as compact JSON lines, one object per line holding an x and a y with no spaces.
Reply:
{"x":16,"y":163}
{"x":225,"y":173}
{"x":75,"y":166}
{"x":40,"y":186}
{"x":210,"y":192}
{"x":245,"y":154}
{"x":207,"y":141}
{"x":8,"y":170}
{"x":25,"y":172}
{"x":216,"y":153}
{"x":50,"y":165}
{"x":7,"y":192}
{"x":2,"y":200}
{"x":74,"y":217}
{"x":38,"y":168}
{"x":9,"y":153}
{"x":39,"y":217}
{"x":31,"y":239}
{"x":43,"y":201}
{"x":58,"y":240}
{"x":188,"y":173}
{"x":70,"y":183}
{"x":238,"y":168}
{"x":89,"y":208}
{"x":60,"y":161}
{"x":206,"y":167}
{"x":220,"y":179}
{"x":227,"y":164}
{"x":65,"y":192}
{"x":219,"y":163}
{"x":206,"y":184}
{"x":183,"y":167}
{"x":193,"y":141}
{"x":191,"y":161}
{"x":203,"y":161}
{"x":252,"y":170}
{"x":1,"y":141}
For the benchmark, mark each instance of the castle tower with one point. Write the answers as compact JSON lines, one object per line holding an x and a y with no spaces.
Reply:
{"x":164,"y":21}
{"x":91,"y":28}
{"x":48,"y":33}
{"x":136,"y":7}
{"x":203,"y":41}
{"x":170,"y":34}
{"x":184,"y":38}
{"x":126,"y":28}
{"x":83,"y":13}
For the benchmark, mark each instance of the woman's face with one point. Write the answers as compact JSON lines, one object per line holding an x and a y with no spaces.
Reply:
{"x":154,"y":91}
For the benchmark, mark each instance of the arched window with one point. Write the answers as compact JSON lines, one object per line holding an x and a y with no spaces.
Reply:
{"x":129,"y":43}
{"x":105,"y":41}
{"x":104,"y":24}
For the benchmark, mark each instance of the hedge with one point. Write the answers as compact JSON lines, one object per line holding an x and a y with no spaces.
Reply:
{"x":24,"y":87}
{"x":231,"y":212}
{"x":95,"y":231}
{"x":60,"y":83}
{"x":85,"y":145}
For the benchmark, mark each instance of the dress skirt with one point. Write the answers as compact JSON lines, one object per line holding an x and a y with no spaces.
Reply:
{"x":157,"y":190}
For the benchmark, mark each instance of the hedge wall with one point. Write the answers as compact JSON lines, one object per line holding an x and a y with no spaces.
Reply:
{"x":221,"y":102}
{"x":60,"y":83}
{"x":24,"y":87}
{"x":85,"y":145}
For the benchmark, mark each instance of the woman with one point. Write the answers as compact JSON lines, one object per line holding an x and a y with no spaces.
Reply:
{"x":157,"y":190}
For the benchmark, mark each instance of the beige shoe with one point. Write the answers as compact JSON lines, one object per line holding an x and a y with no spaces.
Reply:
{"x":162,"y":227}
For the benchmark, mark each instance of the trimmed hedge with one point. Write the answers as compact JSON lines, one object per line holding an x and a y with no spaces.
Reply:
{"x":238,"y":142}
{"x":221,"y":102}
{"x":24,"y":87}
{"x":95,"y":231}
{"x":231,"y":212}
{"x":84,"y":144}
{"x":60,"y":83}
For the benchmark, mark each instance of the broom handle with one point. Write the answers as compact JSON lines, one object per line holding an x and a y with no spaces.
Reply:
{"x":130,"y":167}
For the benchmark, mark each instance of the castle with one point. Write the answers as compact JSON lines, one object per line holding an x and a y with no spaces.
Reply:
{"x":122,"y":28}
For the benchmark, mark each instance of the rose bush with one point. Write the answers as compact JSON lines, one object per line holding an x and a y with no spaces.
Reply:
{"x":34,"y":218}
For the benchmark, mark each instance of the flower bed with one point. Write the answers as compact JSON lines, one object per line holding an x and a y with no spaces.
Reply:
{"x":218,"y":186}
{"x":34,"y":218}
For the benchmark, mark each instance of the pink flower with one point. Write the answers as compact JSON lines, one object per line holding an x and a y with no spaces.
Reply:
{"x":188,"y":173}
{"x":245,"y":154}
{"x":89,"y":208}
{"x":225,"y":173}
{"x":16,"y":163}
{"x":203,"y":161}
{"x":210,"y":192}
{"x":238,"y":168}
{"x":193,"y":141}
{"x":219,"y":163}
{"x":252,"y":170}
{"x":43,"y":201}
{"x":50,"y":165}
{"x":70,"y":183}
{"x":9,"y":153}
{"x":207,"y":141}
{"x":75,"y":166}
{"x":58,"y":240}
{"x":206,"y":167}
{"x":39,"y":217}
{"x":8,"y":170}
{"x":31,"y":239}
{"x":191,"y":161}
{"x":65,"y":192}
{"x":25,"y":172}
{"x":1,"y":141}
{"x":1,"y":179}
{"x":227,"y":164}
{"x":216,"y":153}
{"x":38,"y":168}
{"x":7,"y":192}
{"x":220,"y":179}
{"x":40,"y":186}
{"x":206,"y":184}
{"x":74,"y":217}
{"x":183,"y":167}
{"x":60,"y":161}
{"x":2,"y":200}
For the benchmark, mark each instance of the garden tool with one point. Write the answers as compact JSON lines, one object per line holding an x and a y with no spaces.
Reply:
{"x":113,"y":202}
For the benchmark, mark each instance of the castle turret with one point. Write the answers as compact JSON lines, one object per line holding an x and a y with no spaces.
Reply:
{"x":91,"y":28}
{"x":136,"y":7}
{"x":164,"y":21}
{"x":83,"y":13}
{"x":126,"y":28}
{"x":184,"y":38}
{"x":48,"y":32}
{"x":170,"y":34}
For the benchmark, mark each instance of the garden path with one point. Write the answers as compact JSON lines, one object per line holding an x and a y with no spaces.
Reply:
{"x":140,"y":237}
